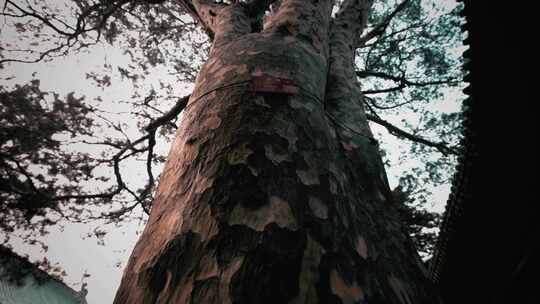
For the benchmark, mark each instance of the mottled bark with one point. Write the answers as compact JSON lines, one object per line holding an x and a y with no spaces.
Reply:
{"x":276,"y":197}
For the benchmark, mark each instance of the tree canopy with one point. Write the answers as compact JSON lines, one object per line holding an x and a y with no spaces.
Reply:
{"x":66,"y":157}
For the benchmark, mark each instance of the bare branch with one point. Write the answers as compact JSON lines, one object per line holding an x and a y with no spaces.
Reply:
{"x":170,"y":115}
{"x":392,"y":34}
{"x":403,"y":82}
{"x":370,"y":102}
{"x":381,"y":27}
{"x":23,"y":171}
{"x":119,"y":156}
{"x":441,"y":146}
{"x":31,"y":12}
{"x":42,"y":56}
{"x":104,"y":9}
{"x":151,"y":144}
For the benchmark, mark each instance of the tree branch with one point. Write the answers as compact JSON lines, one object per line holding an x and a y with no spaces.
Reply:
{"x":42,"y":56}
{"x":32,"y":13}
{"x":170,"y":115}
{"x":403,"y":82}
{"x":385,"y":37}
{"x":372,"y":104}
{"x":104,"y":9}
{"x":441,"y":146}
{"x":381,"y":27}
{"x":118,"y":157}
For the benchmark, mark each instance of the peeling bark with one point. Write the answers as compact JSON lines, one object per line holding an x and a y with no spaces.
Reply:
{"x":275,"y":195}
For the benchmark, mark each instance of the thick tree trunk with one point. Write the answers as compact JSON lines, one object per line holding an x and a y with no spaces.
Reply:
{"x":274,"y":191}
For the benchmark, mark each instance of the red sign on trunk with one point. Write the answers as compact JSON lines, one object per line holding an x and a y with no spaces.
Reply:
{"x":269,"y":84}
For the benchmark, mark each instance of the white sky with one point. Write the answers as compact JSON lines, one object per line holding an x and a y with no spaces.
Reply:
{"x":71,"y":247}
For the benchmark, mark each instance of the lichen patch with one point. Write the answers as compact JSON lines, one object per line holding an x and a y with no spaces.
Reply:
{"x":289,"y":133}
{"x":189,"y":152}
{"x":295,"y":104}
{"x":349,"y":294}
{"x":226,"y":277}
{"x":275,"y":211}
{"x":213,"y":122}
{"x":202,"y":183}
{"x":259,"y":100}
{"x":239,"y":155}
{"x":275,"y":155}
{"x":309,"y":177}
{"x":208,"y":268}
{"x":199,"y":219}
{"x":318,"y":208}
{"x":361,"y":247}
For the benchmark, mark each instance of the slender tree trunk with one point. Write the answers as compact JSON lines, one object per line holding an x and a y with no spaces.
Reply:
{"x":274,"y":191}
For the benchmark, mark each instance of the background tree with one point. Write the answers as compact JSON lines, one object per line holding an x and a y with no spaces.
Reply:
{"x":405,"y":61}
{"x":34,"y":168}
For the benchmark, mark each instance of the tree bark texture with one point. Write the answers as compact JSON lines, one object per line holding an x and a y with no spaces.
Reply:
{"x":276,"y":193}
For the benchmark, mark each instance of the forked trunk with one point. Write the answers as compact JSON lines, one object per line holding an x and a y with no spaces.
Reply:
{"x":274,"y":191}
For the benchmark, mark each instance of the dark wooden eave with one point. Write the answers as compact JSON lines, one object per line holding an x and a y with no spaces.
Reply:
{"x":488,"y":249}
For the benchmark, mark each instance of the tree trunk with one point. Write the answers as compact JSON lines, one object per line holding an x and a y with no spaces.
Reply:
{"x":274,"y":191}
